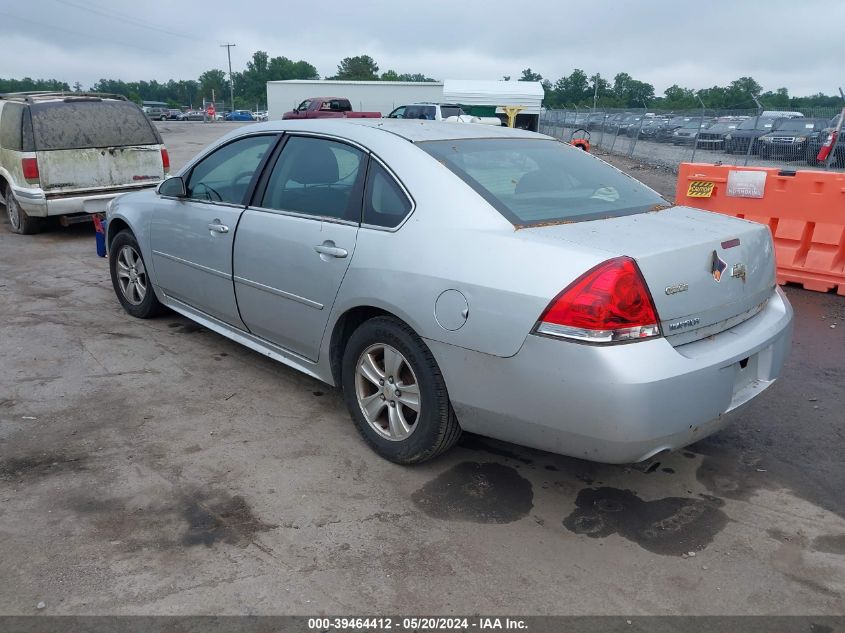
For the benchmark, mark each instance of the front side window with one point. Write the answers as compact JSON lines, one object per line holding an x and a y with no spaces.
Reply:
{"x":536,"y":181}
{"x":304,"y":105}
{"x":398,"y":113}
{"x":225,"y":174}
{"x":318,"y":177}
{"x":385,"y":204}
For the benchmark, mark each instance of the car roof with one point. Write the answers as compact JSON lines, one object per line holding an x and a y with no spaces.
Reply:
{"x":415,"y":131}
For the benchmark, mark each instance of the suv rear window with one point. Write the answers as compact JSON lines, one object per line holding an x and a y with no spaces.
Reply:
{"x":538,"y":181}
{"x":84,"y":124}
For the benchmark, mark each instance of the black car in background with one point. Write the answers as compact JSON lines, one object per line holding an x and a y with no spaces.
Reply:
{"x":688,"y":133}
{"x":664,"y":132}
{"x":613,"y":121}
{"x":791,"y":138}
{"x":595,"y":120}
{"x":749,"y":131}
{"x":815,"y":144}
{"x":651,"y":127}
{"x":713,"y":138}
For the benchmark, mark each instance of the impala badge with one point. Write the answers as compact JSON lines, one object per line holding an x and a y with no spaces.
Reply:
{"x":717,"y":267}
{"x":738,"y":270}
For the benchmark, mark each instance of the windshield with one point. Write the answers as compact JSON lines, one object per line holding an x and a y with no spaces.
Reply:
{"x":764,"y":123}
{"x":85,"y":124}
{"x":537,"y":181}
{"x":796,"y":125}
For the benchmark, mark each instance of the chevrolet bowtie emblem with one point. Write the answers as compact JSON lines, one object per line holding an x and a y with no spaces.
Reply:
{"x":717,"y":266}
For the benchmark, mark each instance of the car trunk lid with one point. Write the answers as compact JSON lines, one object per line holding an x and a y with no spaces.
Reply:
{"x":706,"y":272}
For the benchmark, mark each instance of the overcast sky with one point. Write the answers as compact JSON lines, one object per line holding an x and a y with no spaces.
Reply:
{"x":798,"y":45}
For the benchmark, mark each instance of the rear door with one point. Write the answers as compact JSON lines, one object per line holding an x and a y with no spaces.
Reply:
{"x":85,"y":145}
{"x":294,"y":245}
{"x":192,"y":237}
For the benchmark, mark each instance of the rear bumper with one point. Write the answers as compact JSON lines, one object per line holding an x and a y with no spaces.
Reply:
{"x":36,"y":204}
{"x":622,"y":403}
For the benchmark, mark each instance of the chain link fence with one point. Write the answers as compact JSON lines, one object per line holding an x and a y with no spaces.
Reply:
{"x":767,"y":139}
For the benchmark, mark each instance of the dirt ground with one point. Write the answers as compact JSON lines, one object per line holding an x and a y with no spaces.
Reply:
{"x":154,"y":467}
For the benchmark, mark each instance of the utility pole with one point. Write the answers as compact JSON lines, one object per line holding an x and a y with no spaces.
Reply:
{"x":595,"y":90}
{"x":231,"y":81}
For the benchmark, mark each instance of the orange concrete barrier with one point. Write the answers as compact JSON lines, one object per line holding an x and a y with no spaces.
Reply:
{"x":805,"y":211}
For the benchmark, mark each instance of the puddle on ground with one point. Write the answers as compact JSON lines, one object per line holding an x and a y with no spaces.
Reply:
{"x":229,"y":521}
{"x":830,"y":544}
{"x":479,"y":493}
{"x":671,"y":526}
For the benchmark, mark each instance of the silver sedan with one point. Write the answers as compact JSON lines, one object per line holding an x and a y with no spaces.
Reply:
{"x":457,"y":277}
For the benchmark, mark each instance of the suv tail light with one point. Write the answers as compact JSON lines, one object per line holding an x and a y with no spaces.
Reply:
{"x":30,"y":168}
{"x":607,"y":304}
{"x":165,"y":160}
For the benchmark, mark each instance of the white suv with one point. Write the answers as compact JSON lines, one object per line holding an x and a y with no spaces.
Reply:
{"x":439,"y":112}
{"x":69,"y":154}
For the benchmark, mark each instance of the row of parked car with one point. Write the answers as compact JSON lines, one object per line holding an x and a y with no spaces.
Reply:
{"x":772,"y":134}
{"x":173,"y":114}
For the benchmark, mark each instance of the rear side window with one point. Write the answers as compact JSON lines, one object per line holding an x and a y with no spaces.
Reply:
{"x":317,"y":177}
{"x":425,"y":112}
{"x":86,"y":124}
{"x":447,"y":111}
{"x":533,"y":181}
{"x":11,"y":126}
{"x":385,"y":204}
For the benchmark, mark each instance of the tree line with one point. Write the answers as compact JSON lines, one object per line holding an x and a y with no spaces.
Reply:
{"x":578,"y":89}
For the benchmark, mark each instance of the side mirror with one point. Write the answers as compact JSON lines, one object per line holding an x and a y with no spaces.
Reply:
{"x":173,"y":188}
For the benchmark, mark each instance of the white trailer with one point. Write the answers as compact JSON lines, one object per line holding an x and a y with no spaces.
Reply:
{"x":485,"y":98}
{"x":365,"y":96}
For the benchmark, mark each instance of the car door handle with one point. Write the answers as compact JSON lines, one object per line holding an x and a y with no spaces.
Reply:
{"x":328,"y":248}
{"x":217,"y":227}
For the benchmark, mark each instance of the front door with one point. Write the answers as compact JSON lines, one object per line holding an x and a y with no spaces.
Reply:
{"x":295,"y":244}
{"x":192,"y":237}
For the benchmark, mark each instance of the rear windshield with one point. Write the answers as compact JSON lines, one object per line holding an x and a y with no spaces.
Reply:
{"x":534,"y":181}
{"x":84,"y":124}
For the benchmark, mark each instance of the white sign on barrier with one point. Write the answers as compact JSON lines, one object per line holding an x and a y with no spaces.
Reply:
{"x":746,"y":184}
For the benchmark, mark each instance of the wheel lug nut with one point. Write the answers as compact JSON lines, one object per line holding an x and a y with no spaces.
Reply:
{"x":398,"y":393}
{"x":392,"y":404}
{"x":381,"y":383}
{"x":382,"y":397}
{"x":390,"y":380}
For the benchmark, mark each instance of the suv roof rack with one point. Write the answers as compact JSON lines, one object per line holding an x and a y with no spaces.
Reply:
{"x":32,"y":97}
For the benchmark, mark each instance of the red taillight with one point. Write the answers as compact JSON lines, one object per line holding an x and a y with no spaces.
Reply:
{"x":30,"y":168}
{"x":608,"y":303}
{"x":165,"y":160}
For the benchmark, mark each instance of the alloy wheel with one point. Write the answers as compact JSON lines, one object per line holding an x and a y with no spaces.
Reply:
{"x":131,"y":275}
{"x":387,"y":391}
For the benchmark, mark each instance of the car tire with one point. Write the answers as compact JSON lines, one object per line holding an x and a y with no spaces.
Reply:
{"x":19,"y":221}
{"x":129,"y":277}
{"x":385,"y":350}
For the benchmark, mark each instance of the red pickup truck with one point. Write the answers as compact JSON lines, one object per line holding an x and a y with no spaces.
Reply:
{"x":328,"y":108}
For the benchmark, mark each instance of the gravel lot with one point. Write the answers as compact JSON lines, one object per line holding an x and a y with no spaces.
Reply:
{"x":154,"y":467}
